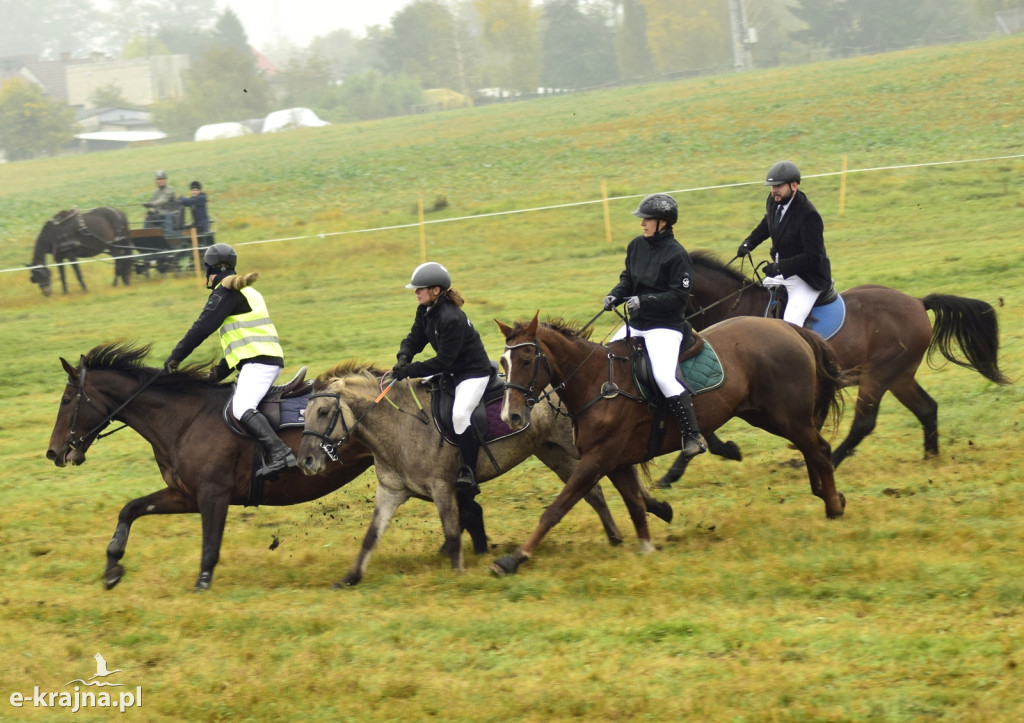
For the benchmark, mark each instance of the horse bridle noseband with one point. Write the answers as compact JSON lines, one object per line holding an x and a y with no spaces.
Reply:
{"x":327,"y":444}
{"x":530,"y":396}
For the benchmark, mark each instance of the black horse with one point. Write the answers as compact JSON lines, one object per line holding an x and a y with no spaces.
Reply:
{"x":74,"y":234}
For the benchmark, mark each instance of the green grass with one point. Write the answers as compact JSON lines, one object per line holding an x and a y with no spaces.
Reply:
{"x":755,"y":608}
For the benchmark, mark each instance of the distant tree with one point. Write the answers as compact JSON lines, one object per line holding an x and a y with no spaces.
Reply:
{"x":109,"y":96}
{"x":424,"y":45}
{"x":30,"y":123}
{"x":143,"y":46}
{"x":304,"y":81}
{"x":578,"y":46}
{"x":46,"y":28}
{"x":341,"y":50}
{"x":374,"y":95}
{"x":225,"y":85}
{"x":510,"y":43}
{"x":228,"y":31}
{"x":688,"y":34}
{"x":632,"y":50}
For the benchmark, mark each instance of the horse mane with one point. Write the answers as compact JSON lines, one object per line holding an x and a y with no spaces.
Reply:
{"x":127,"y":358}
{"x":348,"y":368}
{"x":707,"y":260}
{"x":570,"y":329}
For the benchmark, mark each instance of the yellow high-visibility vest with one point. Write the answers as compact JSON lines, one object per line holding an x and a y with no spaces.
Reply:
{"x":244,"y":336}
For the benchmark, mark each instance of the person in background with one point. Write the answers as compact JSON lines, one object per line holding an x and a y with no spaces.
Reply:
{"x":197,"y":203}
{"x":655,"y":286}
{"x":798,"y":259}
{"x":460,"y":355}
{"x":251,"y":346}
{"x":163,"y":206}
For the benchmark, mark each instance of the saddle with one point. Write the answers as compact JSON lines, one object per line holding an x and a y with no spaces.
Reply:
{"x":284,"y":405}
{"x":826,"y":318}
{"x":699,"y":369}
{"x":486,"y":418}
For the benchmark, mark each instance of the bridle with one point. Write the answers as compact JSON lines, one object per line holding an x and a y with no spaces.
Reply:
{"x":327,"y":444}
{"x":95,"y":433}
{"x":529,"y":395}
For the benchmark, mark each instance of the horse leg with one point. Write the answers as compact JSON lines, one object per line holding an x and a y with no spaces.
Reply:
{"x":78,"y":275}
{"x":912,"y":396}
{"x":471,"y":519}
{"x":583,"y":478}
{"x":628,"y":484}
{"x":164,"y":502}
{"x":820,"y":472}
{"x":865,"y":415}
{"x":386,"y":501}
{"x":63,"y":278}
{"x":728,"y":450}
{"x":213,"y":510}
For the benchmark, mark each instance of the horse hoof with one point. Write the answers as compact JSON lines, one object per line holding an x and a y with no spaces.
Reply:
{"x":347,"y":581}
{"x":731,"y":450}
{"x":505,"y":565}
{"x":664,"y":483}
{"x":113,"y":576}
{"x":203,"y":583}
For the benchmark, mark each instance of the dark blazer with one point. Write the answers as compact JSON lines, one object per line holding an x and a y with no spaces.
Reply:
{"x":798,"y":242}
{"x":658,"y":270}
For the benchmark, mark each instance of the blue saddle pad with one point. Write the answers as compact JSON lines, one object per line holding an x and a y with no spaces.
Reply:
{"x":827,"y":319}
{"x":293,"y":411}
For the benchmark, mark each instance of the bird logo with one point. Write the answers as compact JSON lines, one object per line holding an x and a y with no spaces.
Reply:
{"x":101,"y":672}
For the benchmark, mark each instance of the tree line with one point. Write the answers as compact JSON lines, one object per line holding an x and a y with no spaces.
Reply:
{"x":480,"y":48}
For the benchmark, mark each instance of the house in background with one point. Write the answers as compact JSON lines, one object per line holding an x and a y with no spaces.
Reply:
{"x":141,"y":81}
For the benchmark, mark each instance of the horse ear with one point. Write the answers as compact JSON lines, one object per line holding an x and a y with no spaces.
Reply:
{"x":504,"y":328}
{"x":531,"y":330}
{"x":68,"y":368}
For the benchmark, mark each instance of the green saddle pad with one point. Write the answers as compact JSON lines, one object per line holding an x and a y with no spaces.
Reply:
{"x":703,"y":372}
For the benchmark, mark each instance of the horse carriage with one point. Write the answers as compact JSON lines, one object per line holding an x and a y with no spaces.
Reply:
{"x":164,"y":243}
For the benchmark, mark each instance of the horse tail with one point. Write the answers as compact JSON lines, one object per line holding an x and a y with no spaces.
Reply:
{"x":828,"y":401}
{"x":970,"y":324}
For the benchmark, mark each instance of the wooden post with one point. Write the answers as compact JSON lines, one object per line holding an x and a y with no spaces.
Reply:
{"x":607,"y":216}
{"x":200,"y":277}
{"x":842,"y":187}
{"x":423,"y":234}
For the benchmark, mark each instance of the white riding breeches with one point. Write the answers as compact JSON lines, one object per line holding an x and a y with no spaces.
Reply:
{"x":468,"y":394}
{"x":663,"y":351}
{"x":253,"y":382}
{"x":801,"y":297}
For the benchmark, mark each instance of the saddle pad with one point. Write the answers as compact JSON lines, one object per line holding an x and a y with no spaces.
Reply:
{"x":827,"y":319}
{"x":496,"y":428}
{"x":703,"y":372}
{"x":293,"y":411}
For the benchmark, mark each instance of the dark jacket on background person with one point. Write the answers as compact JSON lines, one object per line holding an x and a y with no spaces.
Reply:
{"x":197,"y":203}
{"x":658,"y":270}
{"x":226,"y":300}
{"x":798,"y":242}
{"x":460,"y":352}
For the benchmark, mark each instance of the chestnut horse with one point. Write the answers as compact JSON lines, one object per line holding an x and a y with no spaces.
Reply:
{"x":777,"y":377}
{"x":409,"y":461}
{"x":880,"y":346}
{"x":204,"y":464}
{"x":74,"y":234}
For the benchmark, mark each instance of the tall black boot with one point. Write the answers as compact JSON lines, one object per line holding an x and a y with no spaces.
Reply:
{"x":277,"y":456}
{"x":470,"y":449}
{"x":682,"y":410}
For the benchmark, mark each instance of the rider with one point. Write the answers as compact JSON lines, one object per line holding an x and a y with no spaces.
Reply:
{"x":250,"y":343}
{"x":656,"y":286}
{"x":461,"y":356}
{"x":798,"y":259}
{"x":162,"y":205}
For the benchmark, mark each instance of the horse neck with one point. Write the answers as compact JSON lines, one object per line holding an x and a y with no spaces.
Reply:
{"x":722,"y":298}
{"x":156,"y":414}
{"x":575,"y":362}
{"x":383,"y":429}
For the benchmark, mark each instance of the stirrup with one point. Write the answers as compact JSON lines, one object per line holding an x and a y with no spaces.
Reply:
{"x":692,"y":446}
{"x":466,"y":480}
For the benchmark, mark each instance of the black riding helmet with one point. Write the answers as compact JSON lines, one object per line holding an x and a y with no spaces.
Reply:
{"x":660,"y":206}
{"x":782,"y":172}
{"x":220,"y":260}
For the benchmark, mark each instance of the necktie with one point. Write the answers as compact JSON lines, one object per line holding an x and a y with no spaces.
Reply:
{"x":778,"y":216}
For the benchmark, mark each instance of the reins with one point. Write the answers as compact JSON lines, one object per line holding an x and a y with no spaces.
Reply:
{"x":738,"y":293}
{"x":108,"y":418}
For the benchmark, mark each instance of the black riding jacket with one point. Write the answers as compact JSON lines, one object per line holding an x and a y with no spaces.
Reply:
{"x":658,"y":270}
{"x":460,"y":352}
{"x":798,"y":242}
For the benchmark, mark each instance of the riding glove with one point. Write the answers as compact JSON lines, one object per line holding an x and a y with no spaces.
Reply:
{"x":633,"y":303}
{"x":399,"y":371}
{"x":610,"y":302}
{"x":171,"y":365}
{"x":743,"y":250}
{"x":772,"y":270}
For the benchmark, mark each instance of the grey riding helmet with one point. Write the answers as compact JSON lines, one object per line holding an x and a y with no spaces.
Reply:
{"x":429,"y":274}
{"x":782,"y":172}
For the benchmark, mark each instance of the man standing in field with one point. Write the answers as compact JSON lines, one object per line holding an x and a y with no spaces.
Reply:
{"x":798,"y":258}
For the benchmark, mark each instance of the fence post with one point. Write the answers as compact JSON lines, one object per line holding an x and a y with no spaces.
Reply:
{"x":195,"y":257}
{"x":423,"y":234}
{"x":607,"y":217}
{"x":842,"y":187}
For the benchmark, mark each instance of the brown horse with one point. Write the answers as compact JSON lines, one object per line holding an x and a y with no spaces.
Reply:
{"x":74,"y":234}
{"x":205,"y":465}
{"x":409,"y":461}
{"x":777,"y":377}
{"x":880,"y":345}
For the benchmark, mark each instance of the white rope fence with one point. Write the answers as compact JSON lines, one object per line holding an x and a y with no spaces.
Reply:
{"x":534,"y":209}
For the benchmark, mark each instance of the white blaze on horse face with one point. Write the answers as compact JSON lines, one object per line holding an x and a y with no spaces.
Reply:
{"x":506,"y":364}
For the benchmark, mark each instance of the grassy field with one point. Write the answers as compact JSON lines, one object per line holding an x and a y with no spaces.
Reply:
{"x":755,"y":608}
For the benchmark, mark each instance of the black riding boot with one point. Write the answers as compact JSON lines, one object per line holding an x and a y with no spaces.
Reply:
{"x":470,"y":449}
{"x":682,"y":410}
{"x":277,"y":456}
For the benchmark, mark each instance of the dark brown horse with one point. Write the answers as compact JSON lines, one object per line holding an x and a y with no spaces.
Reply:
{"x":880,"y":346}
{"x":75,"y":234}
{"x":777,"y":377}
{"x":205,"y":465}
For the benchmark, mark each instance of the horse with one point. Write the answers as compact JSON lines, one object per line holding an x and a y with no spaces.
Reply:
{"x":74,"y":234}
{"x":205,"y":466}
{"x":777,"y":377}
{"x":411,"y":463}
{"x":880,"y":346}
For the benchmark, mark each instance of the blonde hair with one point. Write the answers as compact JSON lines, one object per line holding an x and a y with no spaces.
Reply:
{"x":453,"y":296}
